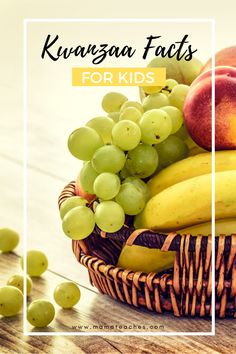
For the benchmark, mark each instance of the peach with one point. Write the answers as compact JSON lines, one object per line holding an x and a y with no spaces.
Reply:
{"x":79,"y":191}
{"x":225,"y":57}
{"x":198,"y":109}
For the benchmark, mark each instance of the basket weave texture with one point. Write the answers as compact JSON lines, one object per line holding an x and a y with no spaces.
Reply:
{"x":185,"y":290}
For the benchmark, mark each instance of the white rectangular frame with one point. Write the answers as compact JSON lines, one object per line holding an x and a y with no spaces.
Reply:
{"x":211,"y":21}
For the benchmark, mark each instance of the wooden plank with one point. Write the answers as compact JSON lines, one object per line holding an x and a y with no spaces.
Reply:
{"x":94,"y":309}
{"x":44,"y":224}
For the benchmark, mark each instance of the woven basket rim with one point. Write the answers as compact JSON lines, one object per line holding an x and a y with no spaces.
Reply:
{"x":184,"y":290}
{"x":150,"y":238}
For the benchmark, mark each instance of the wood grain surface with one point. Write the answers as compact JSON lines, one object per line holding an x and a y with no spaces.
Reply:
{"x":95,"y":309}
{"x":44,"y":232}
{"x":50,"y":167}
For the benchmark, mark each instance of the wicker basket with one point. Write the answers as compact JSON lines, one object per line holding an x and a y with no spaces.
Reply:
{"x":185,"y":290}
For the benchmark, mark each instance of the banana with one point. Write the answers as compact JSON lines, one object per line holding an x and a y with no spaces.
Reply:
{"x":189,"y":203}
{"x":191,"y":167}
{"x":144,"y":259}
{"x":223,"y":226}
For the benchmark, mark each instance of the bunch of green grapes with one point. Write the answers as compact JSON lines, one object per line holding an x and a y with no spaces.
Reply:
{"x":120,"y":151}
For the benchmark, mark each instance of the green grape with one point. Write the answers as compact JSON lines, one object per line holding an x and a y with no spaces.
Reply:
{"x":156,"y":100}
{"x":190,"y":69}
{"x":171,"y":150}
{"x":113,"y":101}
{"x":103,"y":126}
{"x":140,"y":185}
{"x":11,"y":300}
{"x":155,"y":126}
{"x":124,"y":173}
{"x":126,"y":135}
{"x":67,"y":294}
{"x":71,"y":203}
{"x":142,"y":161}
{"x":40,"y":313}
{"x":176,"y":116}
{"x":169,"y":85}
{"x":108,"y":158}
{"x":78,"y":223}
{"x":134,"y":104}
{"x":9,"y":239}
{"x":107,"y":185}
{"x":151,"y":89}
{"x":181,"y":70}
{"x":114,"y":116}
{"x":17,"y":280}
{"x":87,"y":177}
{"x":182,"y":133}
{"x":130,"y":199}
{"x":83,"y":143}
{"x":178,"y":95}
{"x":109,"y":216}
{"x":130,"y":113}
{"x":37,"y":263}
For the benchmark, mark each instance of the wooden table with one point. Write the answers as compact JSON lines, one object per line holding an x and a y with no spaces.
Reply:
{"x":93,"y":309}
{"x":50,"y":168}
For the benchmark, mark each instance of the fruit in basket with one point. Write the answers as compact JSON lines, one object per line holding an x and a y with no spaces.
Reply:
{"x":169,"y":85}
{"x":191,"y":167}
{"x":40,"y":313}
{"x":109,"y":216}
{"x":83,"y":143}
{"x":108,"y":158}
{"x":112,"y":173}
{"x":178,"y":95}
{"x":144,"y":259}
{"x":140,"y":185}
{"x":11,"y":301}
{"x":222,"y":226}
{"x":113,"y":101}
{"x":67,"y":294}
{"x":155,"y":126}
{"x":87,"y":177}
{"x":176,"y":117}
{"x":78,"y":223}
{"x":130,"y":198}
{"x":184,"y":72}
{"x":126,"y":135}
{"x":155,"y":101}
{"x":198,"y":112}
{"x":103,"y":126}
{"x":142,"y":161}
{"x":71,"y":203}
{"x":130,"y":113}
{"x":132,"y":104}
{"x":80,"y":192}
{"x":171,"y":150}
{"x":107,"y":185}
{"x":9,"y":239}
{"x":114,"y":116}
{"x":37,"y":263}
{"x":189,"y":202}
{"x":225,"y":57}
{"x":17,"y":280}
{"x":149,"y":90}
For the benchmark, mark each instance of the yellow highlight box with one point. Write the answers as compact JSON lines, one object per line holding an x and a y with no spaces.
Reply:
{"x":118,"y":76}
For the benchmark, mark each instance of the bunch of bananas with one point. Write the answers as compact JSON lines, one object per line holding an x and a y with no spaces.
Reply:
{"x":181,"y":201}
{"x":181,"y":196}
